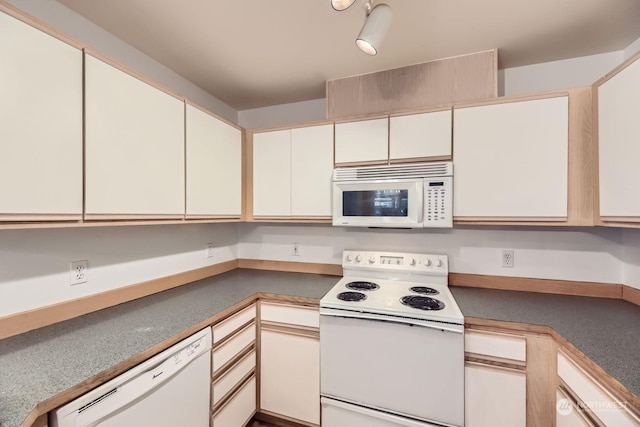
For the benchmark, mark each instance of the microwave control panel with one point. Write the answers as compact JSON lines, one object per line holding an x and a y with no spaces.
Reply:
{"x":438,"y":202}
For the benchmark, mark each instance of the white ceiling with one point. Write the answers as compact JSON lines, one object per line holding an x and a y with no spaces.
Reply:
{"x":254,"y":53}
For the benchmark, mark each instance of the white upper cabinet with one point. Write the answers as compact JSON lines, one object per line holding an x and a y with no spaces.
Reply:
{"x":41,"y":124}
{"x":365,"y":141}
{"x":420,"y":136}
{"x":272,"y":173}
{"x":292,"y":172}
{"x":311,"y":170}
{"x":214,"y":166}
{"x":511,"y":159}
{"x":134,"y":146}
{"x":619,"y":143}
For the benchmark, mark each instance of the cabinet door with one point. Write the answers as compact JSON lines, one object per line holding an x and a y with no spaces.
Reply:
{"x":494,"y":397}
{"x":134,"y":146}
{"x":290,"y":375}
{"x":511,"y":159}
{"x":618,"y":137}
{"x":214,"y":165}
{"x":311,"y":169}
{"x":41,"y":124}
{"x":366,"y":141}
{"x":272,"y":173}
{"x":420,"y":136}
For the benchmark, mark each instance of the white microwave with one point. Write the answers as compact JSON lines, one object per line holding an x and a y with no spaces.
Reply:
{"x":395,"y":196}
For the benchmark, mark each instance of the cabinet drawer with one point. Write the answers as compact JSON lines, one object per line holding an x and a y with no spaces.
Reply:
{"x":227,"y":351}
{"x":302,"y":316}
{"x":238,"y":410}
{"x":496,"y":345}
{"x":231,"y":324}
{"x":228,"y":381}
{"x":605,"y":406}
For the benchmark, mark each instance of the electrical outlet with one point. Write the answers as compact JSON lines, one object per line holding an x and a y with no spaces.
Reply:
{"x":78,"y":272}
{"x":209,"y":251}
{"x":508,"y":258}
{"x":295,"y":251}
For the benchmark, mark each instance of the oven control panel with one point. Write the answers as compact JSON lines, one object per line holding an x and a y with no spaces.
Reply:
{"x":395,"y":261}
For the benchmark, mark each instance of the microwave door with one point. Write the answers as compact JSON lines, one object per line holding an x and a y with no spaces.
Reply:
{"x":378,"y":204}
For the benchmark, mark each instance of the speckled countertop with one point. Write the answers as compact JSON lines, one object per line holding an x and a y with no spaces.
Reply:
{"x":606,"y":330}
{"x":40,"y":364}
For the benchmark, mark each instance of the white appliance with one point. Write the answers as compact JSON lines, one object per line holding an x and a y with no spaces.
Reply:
{"x":170,"y":389}
{"x":391,"y":344}
{"x":401,"y":196}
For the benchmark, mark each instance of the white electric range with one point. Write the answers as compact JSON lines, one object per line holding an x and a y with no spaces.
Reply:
{"x":392,"y":343}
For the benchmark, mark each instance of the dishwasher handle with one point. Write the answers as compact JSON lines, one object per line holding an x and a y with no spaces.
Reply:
{"x":126,"y":394}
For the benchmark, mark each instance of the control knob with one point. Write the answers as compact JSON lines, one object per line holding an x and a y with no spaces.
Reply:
{"x":412,"y":262}
{"x":359,"y":258}
{"x":349,"y":258}
{"x":427,"y":262}
{"x":438,"y":263}
{"x":372,"y":260}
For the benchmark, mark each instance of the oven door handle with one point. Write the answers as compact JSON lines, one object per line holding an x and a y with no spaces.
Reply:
{"x":441,"y":326}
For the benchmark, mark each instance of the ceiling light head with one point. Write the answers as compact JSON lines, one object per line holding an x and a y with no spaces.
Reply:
{"x":374,"y":29}
{"x":341,"y":4}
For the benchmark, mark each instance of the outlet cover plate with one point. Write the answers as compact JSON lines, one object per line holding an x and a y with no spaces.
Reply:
{"x":78,"y":272}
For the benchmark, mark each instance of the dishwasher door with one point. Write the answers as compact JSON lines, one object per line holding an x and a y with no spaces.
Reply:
{"x":170,"y":389}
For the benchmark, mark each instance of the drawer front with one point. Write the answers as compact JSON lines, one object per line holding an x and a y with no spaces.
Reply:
{"x":605,"y":406}
{"x":223,"y":329}
{"x":228,"y":381}
{"x":228,"y":350}
{"x":302,"y":316}
{"x":496,"y":345}
{"x":239,"y":409}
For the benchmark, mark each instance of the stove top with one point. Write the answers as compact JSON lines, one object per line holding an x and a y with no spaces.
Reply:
{"x":405,"y":285}
{"x":395,"y":298}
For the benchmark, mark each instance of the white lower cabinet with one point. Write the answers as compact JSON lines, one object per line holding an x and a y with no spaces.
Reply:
{"x":591,"y":399}
{"x":289,"y":364}
{"x":494,"y":396}
{"x":238,"y":410}
{"x":233,"y":369}
{"x":567,"y":414}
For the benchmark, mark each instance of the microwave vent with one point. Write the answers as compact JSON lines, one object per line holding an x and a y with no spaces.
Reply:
{"x":404,"y":171}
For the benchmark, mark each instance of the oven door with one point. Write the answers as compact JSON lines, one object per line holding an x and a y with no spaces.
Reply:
{"x":387,"y":203}
{"x":408,"y":370}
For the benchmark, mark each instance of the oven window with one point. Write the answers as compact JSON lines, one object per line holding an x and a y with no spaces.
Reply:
{"x":375,"y":203}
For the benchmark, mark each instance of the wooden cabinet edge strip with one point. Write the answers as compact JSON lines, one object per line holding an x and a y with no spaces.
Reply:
{"x":585,"y":413}
{"x":289,"y":329}
{"x":248,"y":325}
{"x":281,"y":420}
{"x":235,"y":361}
{"x":495,"y":362}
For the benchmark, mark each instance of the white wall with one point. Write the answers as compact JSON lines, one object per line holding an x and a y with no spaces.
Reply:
{"x":584,"y":254}
{"x":283,"y":114}
{"x":632,"y":49}
{"x":34,"y":264}
{"x":83,"y":30}
{"x":556,"y":75}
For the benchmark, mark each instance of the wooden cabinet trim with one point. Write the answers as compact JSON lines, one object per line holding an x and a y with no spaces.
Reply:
{"x":513,"y":98}
{"x":495,"y":362}
{"x":295,"y":330}
{"x":241,"y":356}
{"x":291,"y":126}
{"x":585,"y":413}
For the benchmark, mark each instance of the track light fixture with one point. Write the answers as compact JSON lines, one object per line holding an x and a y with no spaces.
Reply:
{"x":375,"y":26}
{"x":341,"y":4}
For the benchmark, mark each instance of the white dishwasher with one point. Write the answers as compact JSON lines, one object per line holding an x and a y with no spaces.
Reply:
{"x":170,"y":389}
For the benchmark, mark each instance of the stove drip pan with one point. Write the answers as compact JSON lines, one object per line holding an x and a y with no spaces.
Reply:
{"x":424,"y":290}
{"x":362,"y":286}
{"x":421,"y":302}
{"x":352,"y":296}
